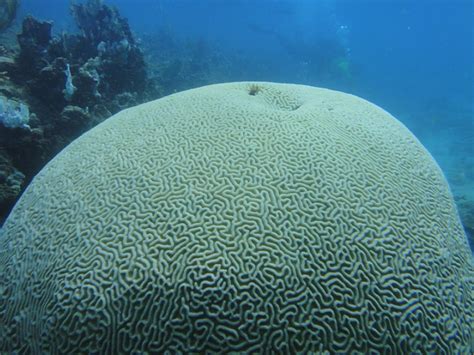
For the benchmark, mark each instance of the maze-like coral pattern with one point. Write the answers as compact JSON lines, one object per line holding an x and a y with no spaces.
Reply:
{"x":246,"y":217}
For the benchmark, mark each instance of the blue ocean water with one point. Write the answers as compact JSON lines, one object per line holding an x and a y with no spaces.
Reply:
{"x":413,"y":58}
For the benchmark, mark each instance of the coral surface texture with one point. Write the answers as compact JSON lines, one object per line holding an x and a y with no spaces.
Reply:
{"x":245,"y":217}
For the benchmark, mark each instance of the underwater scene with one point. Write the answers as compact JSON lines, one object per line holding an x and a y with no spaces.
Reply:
{"x":236,"y":176}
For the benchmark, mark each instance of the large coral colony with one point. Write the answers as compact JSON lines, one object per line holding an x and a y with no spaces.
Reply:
{"x":245,"y":217}
{"x":230,"y":219}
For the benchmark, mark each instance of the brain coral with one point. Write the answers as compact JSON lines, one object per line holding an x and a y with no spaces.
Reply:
{"x":238,"y":217}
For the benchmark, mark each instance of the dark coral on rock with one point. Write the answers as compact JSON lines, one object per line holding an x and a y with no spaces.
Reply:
{"x":34,"y":42}
{"x":113,"y":63}
{"x":104,"y":58}
{"x":11,"y":180}
{"x":69,"y":83}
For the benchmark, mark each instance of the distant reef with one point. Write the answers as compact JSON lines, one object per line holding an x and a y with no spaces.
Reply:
{"x":8,"y":10}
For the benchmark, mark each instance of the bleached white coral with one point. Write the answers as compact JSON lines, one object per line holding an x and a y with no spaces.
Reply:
{"x":14,"y":114}
{"x":70,"y":89}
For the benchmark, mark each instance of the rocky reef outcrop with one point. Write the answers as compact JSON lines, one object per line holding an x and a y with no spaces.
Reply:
{"x":53,"y":88}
